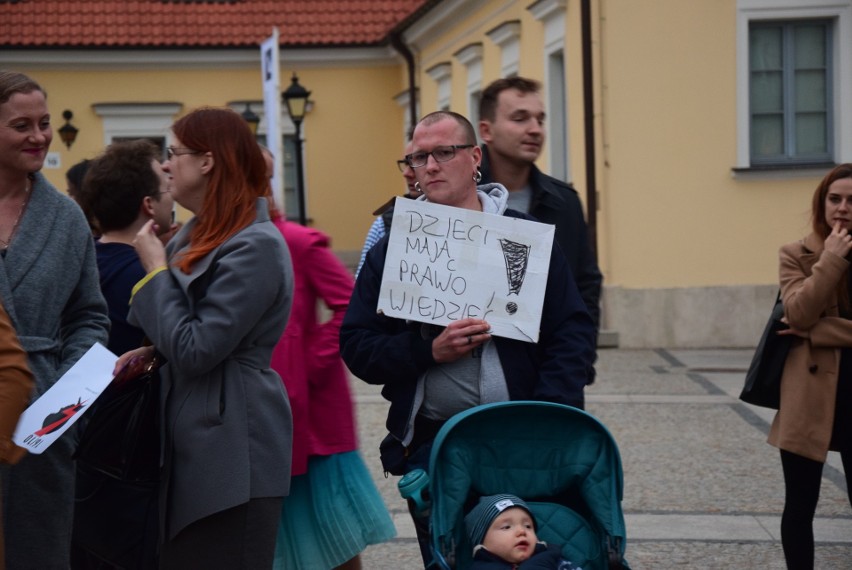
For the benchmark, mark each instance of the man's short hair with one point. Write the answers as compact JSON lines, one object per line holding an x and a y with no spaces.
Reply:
{"x":488,"y":100}
{"x":117,"y":181}
{"x":461,"y":120}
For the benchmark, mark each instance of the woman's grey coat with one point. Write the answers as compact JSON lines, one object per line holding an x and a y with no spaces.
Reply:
{"x":227,"y":421}
{"x":49,"y":286}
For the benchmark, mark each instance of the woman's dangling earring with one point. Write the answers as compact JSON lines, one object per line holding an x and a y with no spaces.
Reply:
{"x":477,"y":176}
{"x":417,"y":187}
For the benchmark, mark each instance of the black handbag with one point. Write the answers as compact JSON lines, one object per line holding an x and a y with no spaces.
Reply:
{"x":763,"y":379}
{"x":115,"y":514}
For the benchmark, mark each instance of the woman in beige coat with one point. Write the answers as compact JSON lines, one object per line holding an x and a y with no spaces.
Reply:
{"x":816,"y":387}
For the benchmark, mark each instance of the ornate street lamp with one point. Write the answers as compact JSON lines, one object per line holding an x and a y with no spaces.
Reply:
{"x":251,"y":118}
{"x":68,"y":132}
{"x":296,"y":99}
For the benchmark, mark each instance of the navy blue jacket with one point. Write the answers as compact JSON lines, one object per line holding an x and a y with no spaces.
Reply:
{"x":393,"y":352}
{"x":556,"y":202}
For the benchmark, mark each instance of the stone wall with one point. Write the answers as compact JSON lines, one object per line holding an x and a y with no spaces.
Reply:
{"x":692,"y":317}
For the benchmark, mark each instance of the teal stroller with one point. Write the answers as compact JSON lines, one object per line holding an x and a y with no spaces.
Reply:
{"x":562,"y":461}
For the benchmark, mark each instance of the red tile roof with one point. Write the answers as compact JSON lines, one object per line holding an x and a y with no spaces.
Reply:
{"x":199,"y":23}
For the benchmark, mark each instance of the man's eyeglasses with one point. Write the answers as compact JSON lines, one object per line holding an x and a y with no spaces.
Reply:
{"x":439,"y":153}
{"x":402,"y":165}
{"x":174,"y":151}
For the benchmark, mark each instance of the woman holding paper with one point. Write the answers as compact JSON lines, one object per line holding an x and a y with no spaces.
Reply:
{"x":214,"y":304}
{"x":816,"y":385}
{"x":49,"y":288}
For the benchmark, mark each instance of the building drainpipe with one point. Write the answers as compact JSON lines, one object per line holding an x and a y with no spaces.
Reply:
{"x":405,"y":52}
{"x":589,"y":126}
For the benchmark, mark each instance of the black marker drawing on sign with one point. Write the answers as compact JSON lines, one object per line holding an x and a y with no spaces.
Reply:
{"x":516,"y":255}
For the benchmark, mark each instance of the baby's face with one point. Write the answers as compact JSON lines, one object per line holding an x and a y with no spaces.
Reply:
{"x":511,"y":535}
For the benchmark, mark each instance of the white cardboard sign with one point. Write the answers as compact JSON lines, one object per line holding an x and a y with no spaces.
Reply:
{"x":444,"y":264}
{"x":69,"y":398}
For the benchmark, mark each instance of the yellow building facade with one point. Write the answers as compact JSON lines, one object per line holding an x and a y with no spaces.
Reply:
{"x":689,"y":217}
{"x":688,"y":225}
{"x":352,"y":134}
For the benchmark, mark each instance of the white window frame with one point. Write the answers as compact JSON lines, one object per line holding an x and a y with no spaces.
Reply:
{"x":507,"y":36}
{"x":137,"y":120}
{"x":840,"y":11}
{"x":471,"y":57}
{"x":404,"y":101}
{"x":557,"y":120}
{"x":551,"y":13}
{"x":442,"y":74}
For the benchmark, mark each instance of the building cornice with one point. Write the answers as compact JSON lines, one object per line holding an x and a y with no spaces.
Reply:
{"x":138,"y":59}
{"x":469,"y":54}
{"x":440,"y":71}
{"x":505,"y":32}
{"x":544,"y":9}
{"x":439,"y":19}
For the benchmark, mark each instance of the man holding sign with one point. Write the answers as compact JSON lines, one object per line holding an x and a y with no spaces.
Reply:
{"x":430,"y":371}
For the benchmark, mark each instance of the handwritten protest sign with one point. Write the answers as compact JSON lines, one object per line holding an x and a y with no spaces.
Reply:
{"x":66,"y":401}
{"x":444,"y":264}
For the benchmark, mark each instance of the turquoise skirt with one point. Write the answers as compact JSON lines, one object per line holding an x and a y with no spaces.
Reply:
{"x":333,"y":513}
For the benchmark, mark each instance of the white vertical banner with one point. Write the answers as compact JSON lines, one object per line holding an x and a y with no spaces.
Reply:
{"x":270,"y":67}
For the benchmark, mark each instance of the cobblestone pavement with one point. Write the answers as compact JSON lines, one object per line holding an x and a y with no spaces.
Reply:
{"x":702,"y":488}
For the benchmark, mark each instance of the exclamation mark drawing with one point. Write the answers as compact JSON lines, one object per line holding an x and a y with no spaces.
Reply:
{"x":516,"y":256}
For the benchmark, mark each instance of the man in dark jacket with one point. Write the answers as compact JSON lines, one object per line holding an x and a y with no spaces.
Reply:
{"x":512,"y":127}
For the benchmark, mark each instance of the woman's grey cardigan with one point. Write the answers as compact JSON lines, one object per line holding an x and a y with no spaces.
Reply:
{"x":50,"y":288}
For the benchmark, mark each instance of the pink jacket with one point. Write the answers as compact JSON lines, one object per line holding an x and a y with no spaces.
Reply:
{"x":307,"y":357}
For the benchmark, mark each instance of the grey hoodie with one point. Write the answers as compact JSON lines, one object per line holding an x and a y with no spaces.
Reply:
{"x":492,"y":381}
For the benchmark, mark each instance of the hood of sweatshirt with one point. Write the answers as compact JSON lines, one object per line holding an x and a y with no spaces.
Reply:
{"x":493,"y":196}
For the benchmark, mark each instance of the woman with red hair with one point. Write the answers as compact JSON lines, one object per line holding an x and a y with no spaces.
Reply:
{"x":214,"y":304}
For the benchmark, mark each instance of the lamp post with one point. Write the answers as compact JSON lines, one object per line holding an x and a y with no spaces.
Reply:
{"x":296,"y":99}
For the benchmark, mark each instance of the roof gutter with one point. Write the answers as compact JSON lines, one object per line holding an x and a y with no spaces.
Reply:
{"x":405,"y":52}
{"x":589,"y":126}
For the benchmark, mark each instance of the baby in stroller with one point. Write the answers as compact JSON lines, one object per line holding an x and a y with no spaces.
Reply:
{"x":562,"y":461}
{"x":503,"y":530}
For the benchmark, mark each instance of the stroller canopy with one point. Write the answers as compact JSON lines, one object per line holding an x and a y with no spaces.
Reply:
{"x":559,"y":458}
